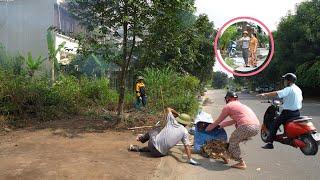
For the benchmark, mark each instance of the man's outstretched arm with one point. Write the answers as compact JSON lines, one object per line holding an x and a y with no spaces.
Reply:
{"x":188,"y":152}
{"x":269,"y":94}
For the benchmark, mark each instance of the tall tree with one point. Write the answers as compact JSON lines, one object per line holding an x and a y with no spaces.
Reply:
{"x":180,"y":40}
{"x":125,"y":17}
{"x":298,"y":39}
{"x":203,"y":49}
{"x":297,"y":47}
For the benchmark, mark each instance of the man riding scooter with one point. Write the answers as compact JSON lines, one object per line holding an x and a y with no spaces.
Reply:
{"x":292,"y":103}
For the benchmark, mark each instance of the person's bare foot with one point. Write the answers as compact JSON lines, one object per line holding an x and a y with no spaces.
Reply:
{"x":241,"y":165}
{"x":225,"y":158}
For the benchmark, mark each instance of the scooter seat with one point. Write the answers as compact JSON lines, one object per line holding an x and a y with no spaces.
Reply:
{"x":300,"y":119}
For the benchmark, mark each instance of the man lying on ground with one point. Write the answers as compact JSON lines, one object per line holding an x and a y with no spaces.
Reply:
{"x":161,"y":141}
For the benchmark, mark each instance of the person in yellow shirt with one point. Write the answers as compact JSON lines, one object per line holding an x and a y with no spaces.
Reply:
{"x":253,"y":46}
{"x":140,"y":92}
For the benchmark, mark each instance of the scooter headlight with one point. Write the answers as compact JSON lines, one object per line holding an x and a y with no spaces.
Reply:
{"x":307,"y":123}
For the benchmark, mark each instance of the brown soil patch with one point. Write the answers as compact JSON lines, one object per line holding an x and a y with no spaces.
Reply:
{"x":76,"y":148}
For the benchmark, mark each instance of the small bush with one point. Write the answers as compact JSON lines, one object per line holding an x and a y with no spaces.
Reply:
{"x":69,"y":93}
{"x":99,"y":92}
{"x":14,"y":64}
{"x":96,"y":90}
{"x":178,"y":91}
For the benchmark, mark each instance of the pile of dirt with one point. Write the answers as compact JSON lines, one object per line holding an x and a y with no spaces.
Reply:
{"x":214,"y":149}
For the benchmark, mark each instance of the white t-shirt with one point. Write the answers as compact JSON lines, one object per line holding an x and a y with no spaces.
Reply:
{"x":170,"y":135}
{"x":245,"y":42}
{"x":292,"y":97}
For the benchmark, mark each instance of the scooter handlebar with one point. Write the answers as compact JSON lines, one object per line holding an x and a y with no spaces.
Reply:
{"x":266,"y":101}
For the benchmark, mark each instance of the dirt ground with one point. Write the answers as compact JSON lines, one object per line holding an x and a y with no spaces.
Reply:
{"x":74,"y":149}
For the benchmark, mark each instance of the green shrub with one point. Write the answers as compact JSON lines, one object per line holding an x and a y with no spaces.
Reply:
{"x":96,"y":90}
{"x":178,"y":91}
{"x":129,"y":99}
{"x":309,"y":74}
{"x":22,"y":95}
{"x":69,"y":93}
{"x":99,"y":91}
{"x":10,"y":63}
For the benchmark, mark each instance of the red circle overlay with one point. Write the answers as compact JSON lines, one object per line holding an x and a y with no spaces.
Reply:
{"x":221,"y":60}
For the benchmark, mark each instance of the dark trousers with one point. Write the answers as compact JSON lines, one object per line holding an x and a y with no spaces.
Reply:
{"x":282,"y":119}
{"x":245,"y":55}
{"x":150,"y":137}
{"x":142,"y":101}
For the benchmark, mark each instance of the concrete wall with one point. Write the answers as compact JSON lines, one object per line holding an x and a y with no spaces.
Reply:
{"x":70,"y":48}
{"x":23,"y":25}
{"x":64,"y":21}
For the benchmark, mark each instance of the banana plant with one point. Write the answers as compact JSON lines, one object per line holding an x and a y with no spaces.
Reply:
{"x":33,"y":64}
{"x":102,"y":65}
{"x":52,"y":52}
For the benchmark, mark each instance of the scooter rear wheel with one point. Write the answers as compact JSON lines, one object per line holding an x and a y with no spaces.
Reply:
{"x":311,"y":147}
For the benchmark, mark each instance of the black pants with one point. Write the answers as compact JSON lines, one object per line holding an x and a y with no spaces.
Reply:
{"x":245,"y":55}
{"x":143,"y":101}
{"x":282,"y":119}
{"x":150,"y":148}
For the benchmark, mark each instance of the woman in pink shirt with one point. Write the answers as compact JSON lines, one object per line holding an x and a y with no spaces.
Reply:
{"x":246,"y":123}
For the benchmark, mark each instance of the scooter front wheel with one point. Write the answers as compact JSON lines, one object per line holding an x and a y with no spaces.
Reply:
{"x":264,"y":134}
{"x":311,"y":147}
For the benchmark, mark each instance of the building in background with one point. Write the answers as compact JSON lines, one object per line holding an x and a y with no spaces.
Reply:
{"x":24,"y":24}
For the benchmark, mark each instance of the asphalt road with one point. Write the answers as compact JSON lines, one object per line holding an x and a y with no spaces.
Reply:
{"x":283,"y":162}
{"x":239,"y":61}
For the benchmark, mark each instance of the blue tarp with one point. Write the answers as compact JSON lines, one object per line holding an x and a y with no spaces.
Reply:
{"x":201,"y":137}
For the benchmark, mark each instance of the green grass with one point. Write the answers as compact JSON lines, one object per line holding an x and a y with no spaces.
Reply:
{"x":177,"y":91}
{"x":230,"y":62}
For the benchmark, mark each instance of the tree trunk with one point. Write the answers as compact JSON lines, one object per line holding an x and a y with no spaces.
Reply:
{"x":125,"y":64}
{"x":52,"y":71}
{"x":123,"y":70}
